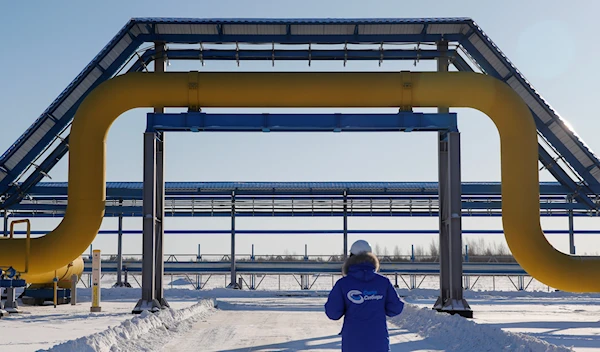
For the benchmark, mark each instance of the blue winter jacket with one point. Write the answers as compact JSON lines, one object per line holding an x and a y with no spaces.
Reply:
{"x":364,"y":298}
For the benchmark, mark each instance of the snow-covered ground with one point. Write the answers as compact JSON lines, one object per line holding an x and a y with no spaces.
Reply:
{"x":294,"y":321}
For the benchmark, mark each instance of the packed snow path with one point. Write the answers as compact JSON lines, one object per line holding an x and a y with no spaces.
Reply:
{"x":270,"y":324}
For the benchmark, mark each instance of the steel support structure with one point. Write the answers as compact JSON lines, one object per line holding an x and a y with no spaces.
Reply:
{"x":120,"y":250}
{"x":148,"y":300}
{"x":5,"y":217}
{"x":11,"y":305}
{"x":233,"y":284}
{"x":160,"y":65}
{"x":345,"y":225}
{"x":450,"y":245}
{"x":571,"y":228}
{"x":153,"y":209}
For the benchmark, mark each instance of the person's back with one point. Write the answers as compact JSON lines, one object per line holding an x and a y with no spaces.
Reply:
{"x":364,"y":298}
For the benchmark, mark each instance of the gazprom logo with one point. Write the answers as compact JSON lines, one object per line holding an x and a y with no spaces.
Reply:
{"x":358,"y":297}
{"x":355,"y":296}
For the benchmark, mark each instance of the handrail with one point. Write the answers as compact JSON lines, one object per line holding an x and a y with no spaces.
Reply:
{"x":27,"y":240}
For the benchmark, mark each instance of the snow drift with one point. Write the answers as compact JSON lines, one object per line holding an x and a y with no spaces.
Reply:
{"x":455,"y":333}
{"x":141,"y":333}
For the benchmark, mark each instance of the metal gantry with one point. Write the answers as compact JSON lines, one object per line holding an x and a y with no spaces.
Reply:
{"x":459,"y":41}
{"x":204,"y":40}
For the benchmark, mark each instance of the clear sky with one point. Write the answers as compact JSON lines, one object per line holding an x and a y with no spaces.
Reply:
{"x":46,"y":44}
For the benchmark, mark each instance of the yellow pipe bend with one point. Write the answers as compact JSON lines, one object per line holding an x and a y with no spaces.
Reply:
{"x":518,"y":139}
{"x":63,"y":274}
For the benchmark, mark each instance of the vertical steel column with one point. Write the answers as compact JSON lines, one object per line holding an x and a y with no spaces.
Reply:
{"x":233,"y":284}
{"x":571,"y":226}
{"x":148,"y":300}
{"x":345,"y":225}
{"x":442,"y":66}
{"x":450,"y":207}
{"x":413,"y":277}
{"x":160,"y":62}
{"x":253,"y":277}
{"x":120,"y":248}
{"x":5,"y":216}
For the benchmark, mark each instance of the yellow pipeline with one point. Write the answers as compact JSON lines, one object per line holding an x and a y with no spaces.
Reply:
{"x":63,"y":274}
{"x":518,"y":139}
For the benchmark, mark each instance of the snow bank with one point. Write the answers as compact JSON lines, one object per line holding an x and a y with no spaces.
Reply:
{"x":141,"y":333}
{"x":455,"y":333}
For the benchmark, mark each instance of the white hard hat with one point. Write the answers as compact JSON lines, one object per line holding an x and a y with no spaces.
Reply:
{"x":360,"y":246}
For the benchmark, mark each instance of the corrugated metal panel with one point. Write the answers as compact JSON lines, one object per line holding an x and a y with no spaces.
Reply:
{"x":301,"y":20}
{"x":187,"y":28}
{"x":447,"y":28}
{"x":322,"y":29}
{"x":595,"y":172}
{"x":204,"y":29}
{"x":139,"y":29}
{"x":386,"y":29}
{"x":529,"y":99}
{"x":117,"y":50}
{"x":254,"y":29}
{"x":482,"y":47}
{"x":77,"y":93}
{"x":30,"y":143}
{"x":567,"y":140}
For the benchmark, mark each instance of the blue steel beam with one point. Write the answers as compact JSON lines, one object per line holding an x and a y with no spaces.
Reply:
{"x":245,"y":31}
{"x":61,"y":123}
{"x":487,"y":214}
{"x":132,"y":190}
{"x":294,"y":55}
{"x":403,"y":121}
{"x":303,"y":267}
{"x":20,"y":190}
{"x":466,"y":206}
{"x":318,"y":232}
{"x":580,"y":191}
{"x":301,"y":39}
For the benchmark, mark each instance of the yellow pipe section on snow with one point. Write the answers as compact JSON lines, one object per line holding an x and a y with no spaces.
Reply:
{"x":518,"y":139}
{"x":63,"y":274}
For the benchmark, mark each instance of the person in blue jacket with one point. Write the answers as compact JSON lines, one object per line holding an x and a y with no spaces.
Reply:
{"x":364,"y":298}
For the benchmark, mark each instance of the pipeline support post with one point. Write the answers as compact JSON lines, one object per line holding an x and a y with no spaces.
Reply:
{"x":571,"y":226}
{"x":74,"y":280}
{"x":148,"y":300}
{"x":345,"y":225}
{"x":450,"y":211}
{"x":160,"y":64}
{"x":233,"y":284}
{"x":5,"y":216}
{"x":253,"y":277}
{"x":96,"y":275}
{"x":119,"y":282}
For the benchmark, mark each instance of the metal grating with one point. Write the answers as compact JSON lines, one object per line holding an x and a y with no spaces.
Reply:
{"x":115,"y":52}
{"x":485,"y":51}
{"x":387,"y":29}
